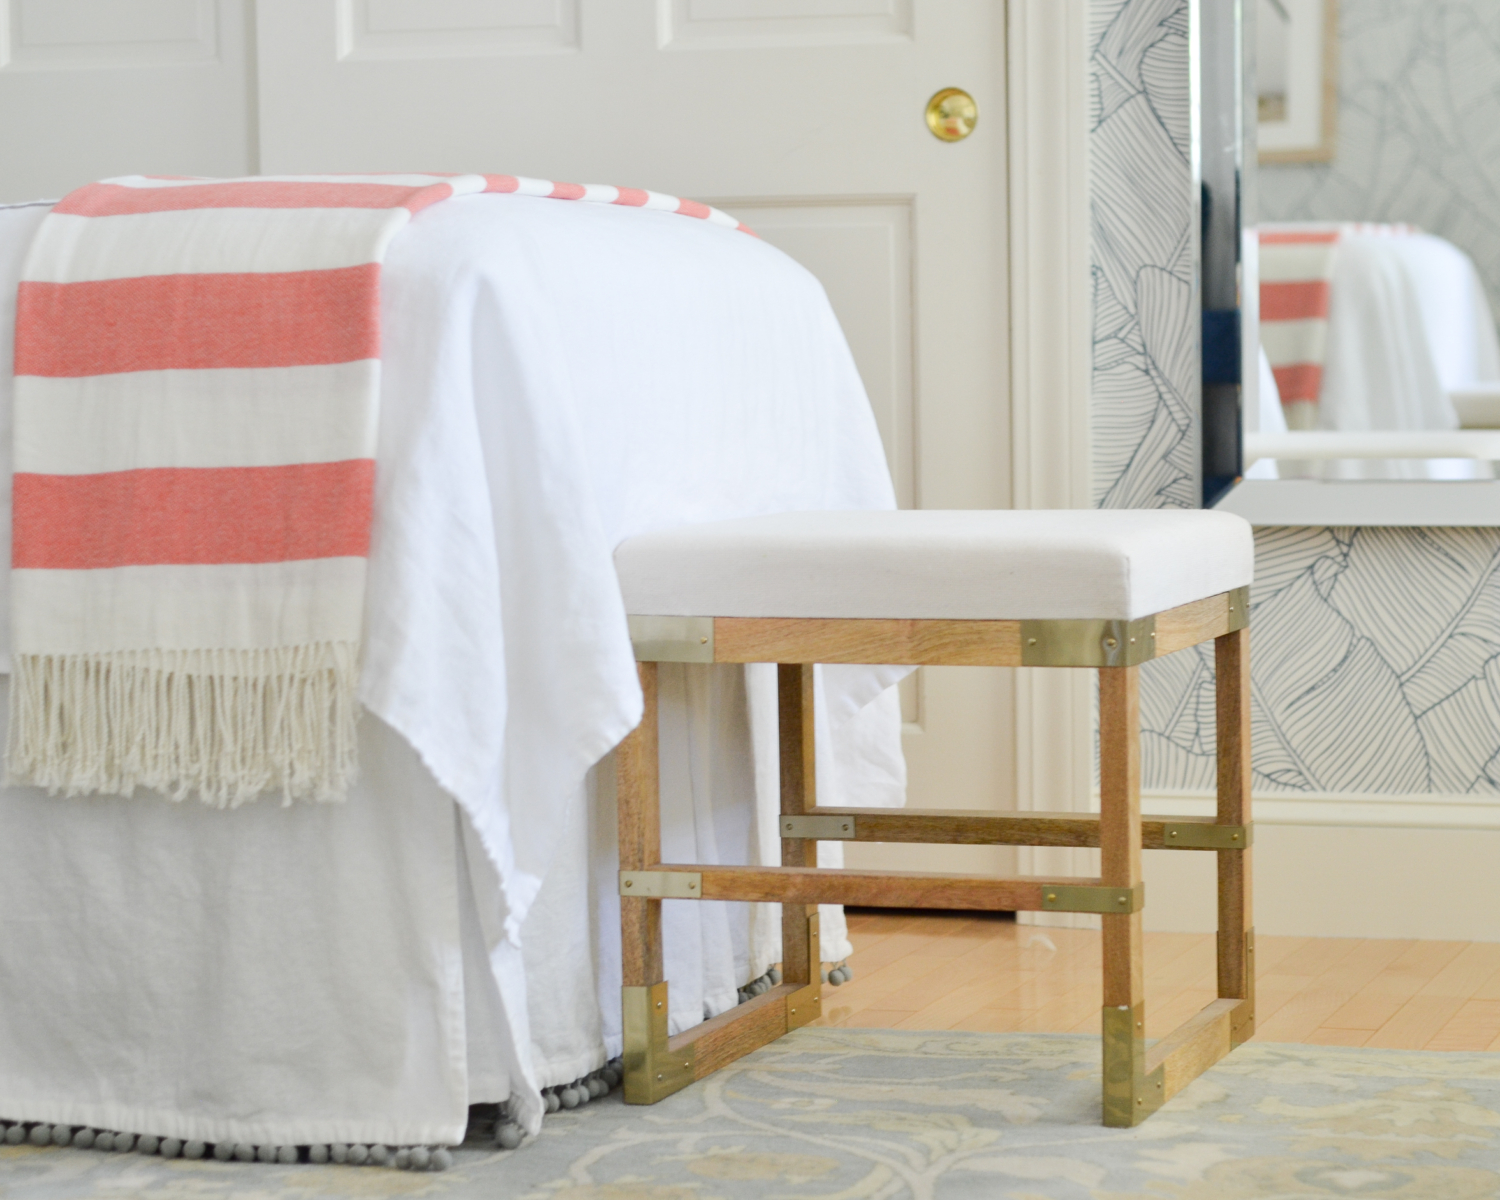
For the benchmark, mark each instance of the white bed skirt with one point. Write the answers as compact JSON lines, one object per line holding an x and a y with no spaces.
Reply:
{"x":334,"y":973}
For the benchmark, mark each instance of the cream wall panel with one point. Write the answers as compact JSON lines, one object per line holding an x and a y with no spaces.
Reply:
{"x":1343,"y":881}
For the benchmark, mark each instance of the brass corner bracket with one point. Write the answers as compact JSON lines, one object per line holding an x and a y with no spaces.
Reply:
{"x":1130,"y":1095}
{"x":652,"y":1072}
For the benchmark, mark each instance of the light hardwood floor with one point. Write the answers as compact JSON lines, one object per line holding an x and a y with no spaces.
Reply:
{"x":985,"y":972}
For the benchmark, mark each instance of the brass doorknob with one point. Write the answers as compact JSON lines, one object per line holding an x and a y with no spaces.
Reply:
{"x":952,"y":114}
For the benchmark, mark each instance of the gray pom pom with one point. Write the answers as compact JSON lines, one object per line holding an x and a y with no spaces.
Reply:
{"x":194,"y":1150}
{"x":171,"y":1147}
{"x":41,"y":1135}
{"x":223,"y":1151}
{"x":380,"y":1155}
{"x":582,"y":1088}
{"x":286,"y":1155}
{"x":84,"y":1138}
{"x":508,"y":1137}
{"x":338,"y":1152}
{"x":825,"y":976}
{"x":836,"y":976}
{"x":597,"y":1088}
{"x":62,"y":1135}
{"x":403,"y":1159}
{"x":147,"y":1144}
{"x":569,"y":1098}
{"x":317,"y":1154}
{"x":124,"y":1143}
{"x":775,"y":974}
{"x":442,"y":1159}
{"x":611,"y":1077}
{"x":244,"y":1152}
{"x":359,"y":1155}
{"x":265,"y":1154}
{"x":552,"y":1101}
{"x":421,"y":1158}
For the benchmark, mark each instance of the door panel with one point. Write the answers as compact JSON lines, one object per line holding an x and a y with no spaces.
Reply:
{"x":862,"y":253}
{"x":395,"y":29}
{"x":92,"y":88}
{"x":782,"y":23}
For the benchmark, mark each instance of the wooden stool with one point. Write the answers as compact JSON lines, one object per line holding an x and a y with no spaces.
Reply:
{"x":1107,"y":590}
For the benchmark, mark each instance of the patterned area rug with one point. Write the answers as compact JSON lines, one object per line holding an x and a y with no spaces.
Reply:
{"x":840,"y":1114}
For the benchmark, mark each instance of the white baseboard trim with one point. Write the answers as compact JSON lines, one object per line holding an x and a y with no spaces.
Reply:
{"x":1371,"y":811}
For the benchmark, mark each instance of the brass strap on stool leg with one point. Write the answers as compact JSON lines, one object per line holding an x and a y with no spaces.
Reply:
{"x":652,"y":1071}
{"x":1130,"y":1093}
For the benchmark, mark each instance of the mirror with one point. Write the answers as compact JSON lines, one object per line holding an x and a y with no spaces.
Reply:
{"x":1376,"y":239}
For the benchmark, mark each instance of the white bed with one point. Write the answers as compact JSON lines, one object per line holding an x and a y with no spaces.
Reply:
{"x":557,"y":377}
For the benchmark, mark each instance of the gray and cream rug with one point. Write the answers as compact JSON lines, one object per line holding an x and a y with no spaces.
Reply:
{"x":849,"y":1114}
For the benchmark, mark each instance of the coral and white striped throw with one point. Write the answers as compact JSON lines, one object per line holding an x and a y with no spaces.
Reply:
{"x":1296,"y":268}
{"x":197,"y":382}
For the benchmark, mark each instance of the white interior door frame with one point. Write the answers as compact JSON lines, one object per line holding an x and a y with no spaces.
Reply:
{"x":1051,"y":349}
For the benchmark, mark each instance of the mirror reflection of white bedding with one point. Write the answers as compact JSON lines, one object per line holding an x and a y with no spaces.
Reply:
{"x":1409,"y":329}
{"x":557,"y":377}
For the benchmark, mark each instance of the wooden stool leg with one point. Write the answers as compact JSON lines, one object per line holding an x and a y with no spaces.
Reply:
{"x":1129,"y":1094}
{"x":1236,"y":924}
{"x":649,"y":1072}
{"x":801,"y":957}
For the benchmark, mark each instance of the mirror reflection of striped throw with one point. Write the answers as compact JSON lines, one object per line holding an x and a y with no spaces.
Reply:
{"x":196,"y":405}
{"x":1296,"y":270}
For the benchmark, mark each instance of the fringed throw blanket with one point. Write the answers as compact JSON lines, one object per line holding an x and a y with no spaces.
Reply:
{"x":197,"y":381}
{"x":1296,"y":269}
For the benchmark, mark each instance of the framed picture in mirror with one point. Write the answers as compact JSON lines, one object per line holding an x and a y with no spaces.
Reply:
{"x":1296,"y":63}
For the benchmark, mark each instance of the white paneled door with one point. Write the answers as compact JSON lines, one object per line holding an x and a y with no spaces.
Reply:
{"x":90,"y":88}
{"x":803,"y":117}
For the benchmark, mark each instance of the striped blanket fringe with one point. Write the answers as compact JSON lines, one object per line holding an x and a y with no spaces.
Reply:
{"x":226,"y":724}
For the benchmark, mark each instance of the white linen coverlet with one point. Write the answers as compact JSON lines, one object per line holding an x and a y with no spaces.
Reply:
{"x":557,"y":377}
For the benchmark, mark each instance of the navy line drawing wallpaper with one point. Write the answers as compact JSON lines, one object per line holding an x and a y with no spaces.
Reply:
{"x":1144,"y":215}
{"x":1376,"y":651}
{"x":1376,"y":668}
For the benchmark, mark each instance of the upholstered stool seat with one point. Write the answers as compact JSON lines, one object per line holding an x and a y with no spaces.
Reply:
{"x":1106,"y":590}
{"x":964,"y":565}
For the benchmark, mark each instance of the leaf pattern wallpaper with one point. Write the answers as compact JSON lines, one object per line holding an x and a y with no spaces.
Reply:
{"x":1376,"y":651}
{"x":1376,"y":668}
{"x":1144,"y":214}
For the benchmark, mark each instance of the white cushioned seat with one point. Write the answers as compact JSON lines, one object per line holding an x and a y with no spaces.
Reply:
{"x":960,"y":565}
